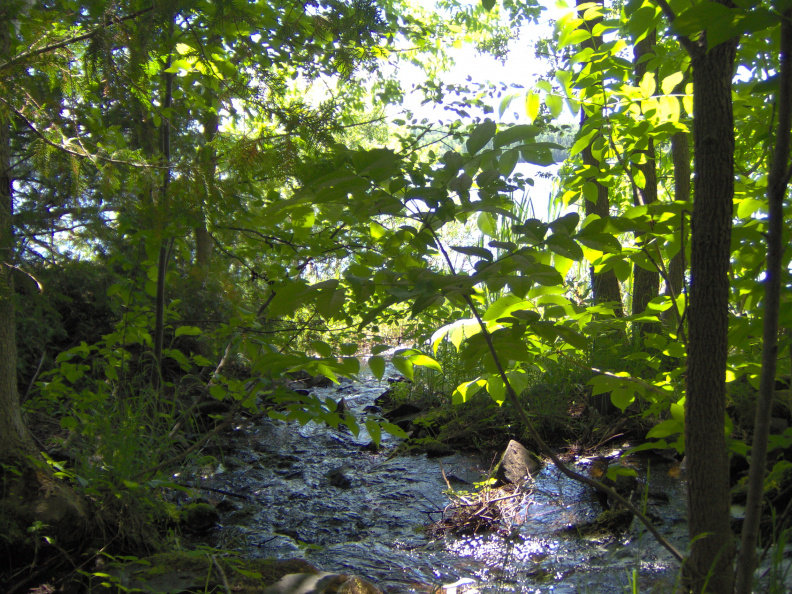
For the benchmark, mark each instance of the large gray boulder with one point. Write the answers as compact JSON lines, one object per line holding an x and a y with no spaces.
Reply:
{"x":516,"y":464}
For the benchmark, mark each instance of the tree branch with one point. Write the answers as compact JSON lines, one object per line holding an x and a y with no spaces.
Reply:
{"x":66,"y":42}
{"x":546,"y":450}
{"x":684,"y":40}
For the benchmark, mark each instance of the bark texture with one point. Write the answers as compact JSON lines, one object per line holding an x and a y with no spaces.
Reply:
{"x":710,"y":566}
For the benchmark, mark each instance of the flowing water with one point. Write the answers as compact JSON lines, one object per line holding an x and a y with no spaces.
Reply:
{"x":315,"y":492}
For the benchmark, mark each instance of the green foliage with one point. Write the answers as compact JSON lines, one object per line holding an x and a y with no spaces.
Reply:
{"x":188,"y":165}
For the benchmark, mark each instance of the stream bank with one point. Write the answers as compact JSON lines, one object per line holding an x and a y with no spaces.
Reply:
{"x":324,"y":495}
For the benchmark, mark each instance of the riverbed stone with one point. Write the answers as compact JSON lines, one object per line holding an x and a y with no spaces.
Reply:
{"x":321,"y":583}
{"x":516,"y":464}
{"x":338,"y":478}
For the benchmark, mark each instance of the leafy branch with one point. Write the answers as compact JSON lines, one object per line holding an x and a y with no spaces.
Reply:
{"x":543,"y":446}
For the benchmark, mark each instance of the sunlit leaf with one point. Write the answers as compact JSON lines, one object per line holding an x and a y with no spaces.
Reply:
{"x":404,"y":366}
{"x":486,"y":224}
{"x":532,"y":104}
{"x":496,"y":389}
{"x":467,"y":390}
{"x":555,"y":104}
{"x":425,"y":361}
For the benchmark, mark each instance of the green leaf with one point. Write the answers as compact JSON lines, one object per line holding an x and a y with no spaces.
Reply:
{"x":287,"y":299}
{"x":350,"y":366}
{"x":377,"y":231}
{"x":532,"y":104}
{"x":404,"y":366}
{"x":329,"y":302}
{"x":642,"y":21}
{"x":467,"y":390}
{"x":473,"y":250}
{"x":568,"y":222}
{"x":486,"y":224}
{"x":480,"y":136}
{"x":518,"y":380}
{"x":555,"y":104}
{"x":425,"y":361}
{"x":665,"y":428}
{"x":648,"y":85}
{"x":504,"y":104}
{"x":565,"y":246}
{"x":351,"y":422}
{"x":590,"y":192}
{"x":188,"y":331}
{"x":178,"y":65}
{"x":348,"y":348}
{"x":377,"y":366}
{"x":374,"y":431}
{"x":671,"y":81}
{"x":508,"y":162}
{"x":322,"y":348}
{"x":572,"y":337}
{"x":575,"y":37}
{"x":622,"y":398}
{"x":496,"y":389}
{"x":746,"y":208}
{"x":605,"y":383}
{"x":70,"y":423}
{"x":394,"y":430}
{"x":602,"y":242}
{"x":504,"y":306}
{"x":522,"y":133}
{"x":217,"y":392}
{"x":488,"y":4}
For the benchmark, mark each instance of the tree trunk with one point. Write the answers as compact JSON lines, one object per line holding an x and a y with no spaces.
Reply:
{"x":646,"y":283}
{"x":604,"y":285}
{"x":710,"y":566}
{"x":165,"y":245}
{"x":777,"y":181}
{"x":30,"y":493}
{"x":680,"y":155}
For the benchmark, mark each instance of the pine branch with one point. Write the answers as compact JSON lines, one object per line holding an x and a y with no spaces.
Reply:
{"x":70,"y":40}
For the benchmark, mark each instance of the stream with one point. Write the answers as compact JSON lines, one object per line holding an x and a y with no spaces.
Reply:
{"x":315,"y":492}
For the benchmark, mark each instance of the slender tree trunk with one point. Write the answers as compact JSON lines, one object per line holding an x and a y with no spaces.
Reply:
{"x":777,"y":181}
{"x":680,"y":155}
{"x":13,"y":434}
{"x":710,"y":566}
{"x":646,"y":283}
{"x":604,"y":285}
{"x":208,"y":164}
{"x":165,"y":246}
